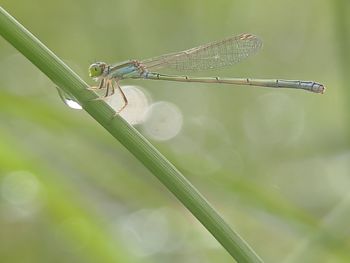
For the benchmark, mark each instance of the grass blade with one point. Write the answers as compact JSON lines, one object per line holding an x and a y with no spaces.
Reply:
{"x":143,"y":150}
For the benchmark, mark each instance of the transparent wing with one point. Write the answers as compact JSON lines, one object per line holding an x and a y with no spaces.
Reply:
{"x":210,"y":56}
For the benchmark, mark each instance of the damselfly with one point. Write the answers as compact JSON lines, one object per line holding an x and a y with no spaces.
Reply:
{"x":209,"y":56}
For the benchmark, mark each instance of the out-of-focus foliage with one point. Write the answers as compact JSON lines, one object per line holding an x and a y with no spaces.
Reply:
{"x":275,"y":163}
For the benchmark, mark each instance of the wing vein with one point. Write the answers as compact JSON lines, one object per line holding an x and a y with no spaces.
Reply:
{"x":213,"y":55}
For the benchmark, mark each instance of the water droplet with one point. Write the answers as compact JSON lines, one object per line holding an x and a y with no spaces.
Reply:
{"x":68,"y":99}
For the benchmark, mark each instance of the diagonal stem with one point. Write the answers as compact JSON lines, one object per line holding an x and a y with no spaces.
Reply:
{"x":143,"y":150}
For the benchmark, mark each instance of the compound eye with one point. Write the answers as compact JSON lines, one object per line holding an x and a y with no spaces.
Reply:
{"x":96,"y":69}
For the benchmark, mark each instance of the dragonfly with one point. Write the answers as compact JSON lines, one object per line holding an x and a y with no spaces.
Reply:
{"x":214,"y":55}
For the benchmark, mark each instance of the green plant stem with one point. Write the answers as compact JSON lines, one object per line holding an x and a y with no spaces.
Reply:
{"x":143,"y":150}
{"x":341,"y":43}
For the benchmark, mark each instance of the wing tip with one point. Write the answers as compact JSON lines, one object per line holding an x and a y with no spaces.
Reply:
{"x":252,"y":37}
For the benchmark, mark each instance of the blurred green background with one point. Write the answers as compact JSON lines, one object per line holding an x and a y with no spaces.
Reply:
{"x":274,"y":163}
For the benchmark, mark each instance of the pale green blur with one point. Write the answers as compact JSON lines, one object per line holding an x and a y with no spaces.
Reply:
{"x":274,"y":163}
